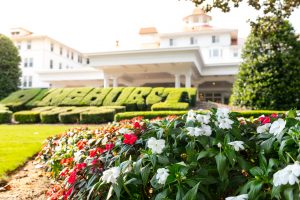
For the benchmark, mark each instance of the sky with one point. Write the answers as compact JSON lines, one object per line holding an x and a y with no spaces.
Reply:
{"x":95,"y":25}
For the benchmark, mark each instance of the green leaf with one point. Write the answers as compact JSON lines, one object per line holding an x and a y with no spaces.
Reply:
{"x":162,"y":195}
{"x":256,"y":171}
{"x":288,"y":194}
{"x":255,"y":189}
{"x":222,"y":166}
{"x":145,"y":171}
{"x":267,"y":144}
{"x":192,"y":193}
{"x":262,"y":161}
{"x":179,"y":194}
{"x":292,"y":113}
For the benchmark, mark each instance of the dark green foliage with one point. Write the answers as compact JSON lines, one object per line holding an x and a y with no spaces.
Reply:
{"x":192,"y":92}
{"x":155,"y":96}
{"x":95,"y":97}
{"x":170,"y":106}
{"x":269,"y":74}
{"x":55,"y":97}
{"x":51,"y":116}
{"x":27,"y":116}
{"x":73,"y":116}
{"x":5,"y":116}
{"x":137,"y":99}
{"x":97,"y":116}
{"x":17,"y":100}
{"x":9,"y":67}
{"x":147,"y":114}
{"x":257,"y":113}
{"x":117,"y":109}
{"x":75,"y":97}
{"x":38,"y":98}
{"x":117,"y":96}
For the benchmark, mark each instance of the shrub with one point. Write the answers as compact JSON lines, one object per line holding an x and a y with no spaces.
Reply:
{"x":147,"y":114}
{"x":170,"y":106}
{"x":5,"y":116}
{"x":27,"y":116}
{"x":95,"y":97}
{"x":51,"y":116}
{"x":137,"y":99}
{"x":155,"y":96}
{"x":17,"y":100}
{"x":55,"y":96}
{"x":117,"y":109}
{"x":3,"y":107}
{"x":73,"y":116}
{"x":97,"y":116}
{"x":75,"y":97}
{"x":42,"y":109}
{"x":117,"y":96}
{"x":192,"y":92}
{"x":38,"y":98}
{"x":257,"y":113}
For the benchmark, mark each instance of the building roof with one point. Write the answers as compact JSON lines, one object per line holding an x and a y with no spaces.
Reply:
{"x":198,"y":12}
{"x":147,"y":30}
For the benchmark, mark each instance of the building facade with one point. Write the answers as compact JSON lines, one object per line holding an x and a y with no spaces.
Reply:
{"x":199,"y":56}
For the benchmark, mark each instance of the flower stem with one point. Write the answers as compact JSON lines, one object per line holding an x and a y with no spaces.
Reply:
{"x":290,"y":156}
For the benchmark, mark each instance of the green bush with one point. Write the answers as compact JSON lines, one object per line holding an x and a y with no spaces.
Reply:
{"x":97,"y":116}
{"x":51,"y":116}
{"x":257,"y":113}
{"x":137,"y":99}
{"x":27,"y":116}
{"x":5,"y":116}
{"x":147,"y":114}
{"x":170,"y":106}
{"x":117,"y":96}
{"x":55,"y":97}
{"x":73,"y":116}
{"x":42,"y":109}
{"x":17,"y":100}
{"x":95,"y":97}
{"x":3,"y":107}
{"x":117,"y":109}
{"x":155,"y":96}
{"x":192,"y":92}
{"x":75,"y":97}
{"x":38,"y":98}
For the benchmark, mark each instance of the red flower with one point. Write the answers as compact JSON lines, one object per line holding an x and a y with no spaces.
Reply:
{"x":93,"y":153}
{"x":136,"y":125}
{"x":72,"y":177}
{"x":64,"y":172}
{"x":109,"y":146}
{"x":67,"y":194}
{"x":66,"y":161}
{"x":80,"y":166}
{"x":129,"y":139}
{"x":274,"y":115}
{"x":81,"y":144}
{"x":94,"y":162}
{"x":264,"y":119}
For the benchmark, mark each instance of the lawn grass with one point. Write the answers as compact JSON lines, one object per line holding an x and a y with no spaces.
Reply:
{"x":20,"y":142}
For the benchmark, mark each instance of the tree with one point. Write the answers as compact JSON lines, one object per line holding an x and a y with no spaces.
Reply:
{"x":9,"y":67}
{"x":270,"y":71}
{"x":277,"y":7}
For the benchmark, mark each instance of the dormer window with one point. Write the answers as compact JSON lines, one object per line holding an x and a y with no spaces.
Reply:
{"x":215,"y":39}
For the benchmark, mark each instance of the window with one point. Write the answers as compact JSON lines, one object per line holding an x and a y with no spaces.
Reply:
{"x":29,"y":81}
{"x":171,"y":42}
{"x":235,"y":53}
{"x":51,"y":64}
{"x":193,"y":40}
{"x":19,"y":45}
{"x":60,"y":66}
{"x":79,"y":59}
{"x":29,"y":45}
{"x":25,"y":62}
{"x":215,"y":53}
{"x":30,"y":62}
{"x":72,"y":55}
{"x":52,"y":47}
{"x":87,"y":61}
{"x":24,"y":81}
{"x":60,"y":50}
{"x":68,"y":54}
{"x":215,"y":39}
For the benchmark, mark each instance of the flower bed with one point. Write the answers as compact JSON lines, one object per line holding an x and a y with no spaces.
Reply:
{"x":197,"y":156}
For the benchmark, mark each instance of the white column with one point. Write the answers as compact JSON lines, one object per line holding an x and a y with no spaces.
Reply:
{"x":105,"y":82}
{"x":115,"y":82}
{"x":188,"y":80}
{"x":177,"y":80}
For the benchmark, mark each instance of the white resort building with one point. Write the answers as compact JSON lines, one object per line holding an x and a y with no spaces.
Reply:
{"x":199,"y":56}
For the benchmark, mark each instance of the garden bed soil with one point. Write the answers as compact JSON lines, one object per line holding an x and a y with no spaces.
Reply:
{"x":26,"y":183}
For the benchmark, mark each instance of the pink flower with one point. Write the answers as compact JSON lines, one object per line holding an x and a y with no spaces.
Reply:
{"x":80,"y":166}
{"x":136,"y":125}
{"x":274,"y":115}
{"x":109,"y":146}
{"x":67,"y":194}
{"x":72,"y":177}
{"x":129,"y":139}
{"x":264,"y":120}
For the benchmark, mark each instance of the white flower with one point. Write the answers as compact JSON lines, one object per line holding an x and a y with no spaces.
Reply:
{"x":206,"y":130}
{"x":264,"y":128}
{"x":191,"y":131}
{"x":225,"y":123}
{"x":219,"y":145}
{"x":287,"y":175}
{"x":77,"y":156}
{"x":191,"y":116}
{"x":223,"y":113}
{"x":155,"y":145}
{"x":198,"y":131}
{"x":124,"y":131}
{"x":204,"y":119}
{"x":162,"y":175}
{"x":111,"y":175}
{"x":240,"y":197}
{"x":237,"y":145}
{"x":104,"y":141}
{"x":277,"y":126}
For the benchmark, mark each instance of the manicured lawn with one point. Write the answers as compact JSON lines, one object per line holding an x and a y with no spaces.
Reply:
{"x":20,"y":142}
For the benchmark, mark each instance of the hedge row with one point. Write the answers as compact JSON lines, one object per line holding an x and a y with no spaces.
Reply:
{"x":154,"y":114}
{"x":5,"y":114}
{"x":139,"y":98}
{"x":69,"y":114}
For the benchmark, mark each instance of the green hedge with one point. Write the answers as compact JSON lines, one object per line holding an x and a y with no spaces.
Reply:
{"x":97,"y":116}
{"x":5,"y":116}
{"x":17,"y":100}
{"x":73,"y":116}
{"x":55,"y":97}
{"x":155,"y":96}
{"x":257,"y":113}
{"x":117,"y":96}
{"x":27,"y":116}
{"x":117,"y":109}
{"x":75,"y":97}
{"x":170,"y":106}
{"x":147,"y":114}
{"x":95,"y":97}
{"x":51,"y":116}
{"x":137,"y":99}
{"x":37,"y":99}
{"x":3,"y":107}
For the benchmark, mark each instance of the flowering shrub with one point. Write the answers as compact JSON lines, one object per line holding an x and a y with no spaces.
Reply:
{"x":197,"y":156}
